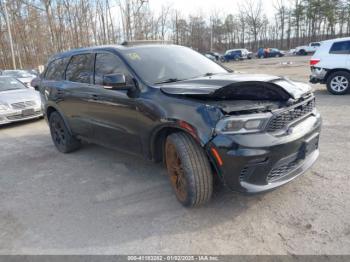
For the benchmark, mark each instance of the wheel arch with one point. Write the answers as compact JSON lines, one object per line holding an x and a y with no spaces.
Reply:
{"x":330,"y":72}
{"x":50,"y":109}
{"x":159,"y":137}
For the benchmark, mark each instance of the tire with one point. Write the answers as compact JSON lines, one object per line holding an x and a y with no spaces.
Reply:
{"x":338,"y":83}
{"x":61,"y":136}
{"x":302,"y":52}
{"x":189,"y":170}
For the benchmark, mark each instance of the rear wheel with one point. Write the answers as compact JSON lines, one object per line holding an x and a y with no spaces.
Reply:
{"x":61,"y":136}
{"x":302,"y":52}
{"x":189,"y":170}
{"x":338,"y":83}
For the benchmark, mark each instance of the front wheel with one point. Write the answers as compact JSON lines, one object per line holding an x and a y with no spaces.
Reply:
{"x":61,"y":136}
{"x":189,"y":170}
{"x":338,"y":83}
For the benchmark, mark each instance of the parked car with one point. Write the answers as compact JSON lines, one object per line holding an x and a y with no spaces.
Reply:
{"x":237,"y":54}
{"x":291,"y":52}
{"x":216,"y":55}
{"x":330,"y":65}
{"x":245,"y":54}
{"x":307,"y":49}
{"x":211,"y":57}
{"x":17,"y":102}
{"x":254,"y":132}
{"x":231,"y":55}
{"x":269,"y":52}
{"x":33,"y":72}
{"x":21,"y":75}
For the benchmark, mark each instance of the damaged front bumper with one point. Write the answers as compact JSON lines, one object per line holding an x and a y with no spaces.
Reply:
{"x":260,"y":162}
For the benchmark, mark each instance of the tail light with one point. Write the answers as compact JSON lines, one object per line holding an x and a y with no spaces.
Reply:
{"x":314,"y":62}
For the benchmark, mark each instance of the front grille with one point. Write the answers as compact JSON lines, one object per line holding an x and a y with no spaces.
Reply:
{"x":283,"y":170}
{"x":22,"y":105}
{"x":18,"y":117}
{"x":243,"y":174}
{"x":284,"y":118}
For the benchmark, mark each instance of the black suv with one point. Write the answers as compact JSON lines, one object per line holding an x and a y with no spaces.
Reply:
{"x":169,"y":103}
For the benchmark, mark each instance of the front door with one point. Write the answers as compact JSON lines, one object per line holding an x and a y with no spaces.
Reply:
{"x":115,"y":115}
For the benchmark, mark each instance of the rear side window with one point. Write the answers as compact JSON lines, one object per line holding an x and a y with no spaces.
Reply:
{"x":107,"y":64}
{"x":80,"y":68}
{"x":56,"y":68}
{"x":315,"y":44}
{"x":342,"y":48}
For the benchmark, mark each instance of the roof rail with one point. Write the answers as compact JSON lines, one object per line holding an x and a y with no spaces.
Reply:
{"x":146,"y":42}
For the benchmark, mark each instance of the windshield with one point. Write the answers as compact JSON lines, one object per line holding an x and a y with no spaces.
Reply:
{"x":155,"y":64}
{"x":18,"y":74}
{"x":9,"y":83}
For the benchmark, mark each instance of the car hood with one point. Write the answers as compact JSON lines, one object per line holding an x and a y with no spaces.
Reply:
{"x":239,"y":86}
{"x":25,"y":80}
{"x":19,"y":95}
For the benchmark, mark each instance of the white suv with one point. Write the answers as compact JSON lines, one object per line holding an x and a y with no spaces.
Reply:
{"x":331,"y":65}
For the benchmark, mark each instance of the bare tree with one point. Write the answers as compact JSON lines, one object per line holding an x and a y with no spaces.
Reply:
{"x":253,"y":16}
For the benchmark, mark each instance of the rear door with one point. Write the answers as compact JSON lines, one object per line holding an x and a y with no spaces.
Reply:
{"x":340,"y":55}
{"x":51,"y":84}
{"x":76,"y":93}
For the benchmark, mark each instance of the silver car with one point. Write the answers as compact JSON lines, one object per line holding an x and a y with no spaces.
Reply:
{"x":24,"y":76}
{"x":18,"y":102}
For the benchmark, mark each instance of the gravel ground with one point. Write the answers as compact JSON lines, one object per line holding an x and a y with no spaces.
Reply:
{"x":98,"y":201}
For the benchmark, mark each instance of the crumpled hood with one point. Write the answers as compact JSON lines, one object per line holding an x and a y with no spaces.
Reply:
{"x":239,"y":85}
{"x":19,"y":95}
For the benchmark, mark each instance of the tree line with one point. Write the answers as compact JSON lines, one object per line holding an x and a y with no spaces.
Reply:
{"x":41,"y":28}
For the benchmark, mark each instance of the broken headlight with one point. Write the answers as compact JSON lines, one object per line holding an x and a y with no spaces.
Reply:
{"x":243,"y":124}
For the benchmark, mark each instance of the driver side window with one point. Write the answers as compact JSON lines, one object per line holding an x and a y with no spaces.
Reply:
{"x":108,"y":64}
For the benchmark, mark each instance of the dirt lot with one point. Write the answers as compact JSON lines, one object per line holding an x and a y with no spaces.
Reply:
{"x":97,"y":201}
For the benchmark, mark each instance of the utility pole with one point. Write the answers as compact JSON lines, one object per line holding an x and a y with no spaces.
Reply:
{"x":10,"y":36}
{"x":211,"y":34}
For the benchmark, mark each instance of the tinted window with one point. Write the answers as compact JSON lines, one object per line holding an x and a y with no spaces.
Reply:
{"x":340,"y":48}
{"x":160,"y":63}
{"x":80,"y":69}
{"x":55,"y":70}
{"x":107,"y":64}
{"x":315,"y":44}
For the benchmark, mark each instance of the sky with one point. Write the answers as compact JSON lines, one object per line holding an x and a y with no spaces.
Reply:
{"x":206,"y":7}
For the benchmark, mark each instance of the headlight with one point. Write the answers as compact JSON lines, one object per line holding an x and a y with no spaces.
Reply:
{"x":243,"y":124}
{"x":4,"y":107}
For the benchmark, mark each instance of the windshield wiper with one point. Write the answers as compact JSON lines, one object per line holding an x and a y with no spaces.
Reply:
{"x":173,"y":80}
{"x":170,"y":80}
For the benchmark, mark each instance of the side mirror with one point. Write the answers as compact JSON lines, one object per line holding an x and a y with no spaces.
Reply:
{"x":35,"y":83}
{"x":114,"y":81}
